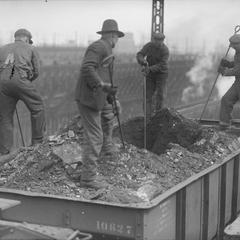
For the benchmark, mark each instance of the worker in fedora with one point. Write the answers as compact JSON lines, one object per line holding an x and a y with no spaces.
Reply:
{"x":93,"y":95}
{"x":19,"y":67}
{"x":230,"y":68}
{"x":154,"y":58}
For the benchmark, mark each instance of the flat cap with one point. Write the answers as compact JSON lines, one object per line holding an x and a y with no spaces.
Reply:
{"x":235,"y":38}
{"x":23,"y":32}
{"x":158,"y":35}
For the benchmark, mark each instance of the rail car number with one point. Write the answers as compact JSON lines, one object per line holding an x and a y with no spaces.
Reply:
{"x":112,"y":227}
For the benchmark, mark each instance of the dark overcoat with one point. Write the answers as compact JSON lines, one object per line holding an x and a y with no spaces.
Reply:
{"x":93,"y":71}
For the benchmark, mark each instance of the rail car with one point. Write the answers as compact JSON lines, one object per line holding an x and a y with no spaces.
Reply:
{"x":196,"y":209}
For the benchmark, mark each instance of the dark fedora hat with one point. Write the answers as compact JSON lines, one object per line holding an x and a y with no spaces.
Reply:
{"x":110,"y":25}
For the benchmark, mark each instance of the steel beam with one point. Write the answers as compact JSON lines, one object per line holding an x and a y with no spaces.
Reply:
{"x":157,"y":16}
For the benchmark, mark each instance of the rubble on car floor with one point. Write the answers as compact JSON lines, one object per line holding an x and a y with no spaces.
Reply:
{"x":179,"y":148}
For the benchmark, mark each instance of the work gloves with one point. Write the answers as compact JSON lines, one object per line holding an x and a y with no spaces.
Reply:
{"x":224,"y":62}
{"x":145,"y":67}
{"x":145,"y":70}
{"x":107,"y":88}
{"x":221,"y":70}
{"x":144,"y":62}
{"x":110,"y":100}
{"x":222,"y":66}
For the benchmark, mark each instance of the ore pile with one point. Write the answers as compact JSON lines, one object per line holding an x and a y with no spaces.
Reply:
{"x":168,"y":127}
{"x":182,"y":149}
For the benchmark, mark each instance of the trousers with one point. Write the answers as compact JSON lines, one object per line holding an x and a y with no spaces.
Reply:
{"x":11,"y":91}
{"x":228,"y":101}
{"x":98,"y":128}
{"x":155,"y":83}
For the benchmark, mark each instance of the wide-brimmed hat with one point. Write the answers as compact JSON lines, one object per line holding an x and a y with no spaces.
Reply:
{"x":110,"y":25}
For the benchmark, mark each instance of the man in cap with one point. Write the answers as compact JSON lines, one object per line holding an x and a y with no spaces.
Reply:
{"x":19,"y":66}
{"x":230,"y":68}
{"x":154,"y":58}
{"x":93,"y":95}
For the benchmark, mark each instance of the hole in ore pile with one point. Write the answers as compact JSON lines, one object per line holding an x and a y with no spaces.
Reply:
{"x":167,"y":126}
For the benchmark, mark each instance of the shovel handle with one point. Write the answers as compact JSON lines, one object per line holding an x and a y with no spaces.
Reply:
{"x":237,"y":29}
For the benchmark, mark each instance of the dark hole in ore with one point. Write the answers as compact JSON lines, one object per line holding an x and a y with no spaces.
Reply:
{"x":166,"y":126}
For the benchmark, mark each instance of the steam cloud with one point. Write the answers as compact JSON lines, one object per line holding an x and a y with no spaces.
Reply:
{"x":199,"y":76}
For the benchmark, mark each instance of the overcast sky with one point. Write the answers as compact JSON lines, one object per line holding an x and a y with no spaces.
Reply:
{"x":188,"y":23}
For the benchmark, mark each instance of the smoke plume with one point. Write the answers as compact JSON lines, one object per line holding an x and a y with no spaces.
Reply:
{"x":200,"y":76}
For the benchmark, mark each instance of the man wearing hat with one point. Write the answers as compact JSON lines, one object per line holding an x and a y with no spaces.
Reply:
{"x":230,"y":68}
{"x":93,"y":95}
{"x":19,"y":66}
{"x":154,"y":58}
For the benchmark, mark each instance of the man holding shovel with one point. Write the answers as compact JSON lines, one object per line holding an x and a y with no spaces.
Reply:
{"x":154,"y":56}
{"x":230,"y":68}
{"x":94,"y":93}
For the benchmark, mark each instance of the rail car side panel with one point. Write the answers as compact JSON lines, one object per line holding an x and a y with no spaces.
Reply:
{"x":88,"y":217}
{"x":193,"y":210}
{"x":160,"y":221}
{"x":229,"y":188}
{"x":238,"y":193}
{"x":213,"y":203}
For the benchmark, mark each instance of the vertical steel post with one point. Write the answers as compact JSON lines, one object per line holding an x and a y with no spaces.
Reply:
{"x":181,"y":215}
{"x":222,"y":203}
{"x":145,"y":112}
{"x":205,"y":208}
{"x":157,"y":16}
{"x":234,"y":209}
{"x":157,"y":26}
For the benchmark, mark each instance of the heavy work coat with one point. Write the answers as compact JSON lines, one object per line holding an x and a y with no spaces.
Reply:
{"x":92,"y":72}
{"x":23,"y":56}
{"x":157,"y":57}
{"x":233,"y":68}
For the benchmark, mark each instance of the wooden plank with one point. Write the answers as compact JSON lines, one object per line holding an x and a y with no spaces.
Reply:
{"x":235,"y":188}
{"x":160,"y":221}
{"x":214,"y":182}
{"x":193,"y":210}
{"x":181,"y":214}
{"x":205,"y":207}
{"x":8,"y":203}
{"x":222,"y":203}
{"x":229,"y":189}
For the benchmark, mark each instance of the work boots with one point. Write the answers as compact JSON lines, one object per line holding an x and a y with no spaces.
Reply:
{"x":109,"y":150}
{"x":75,"y":174}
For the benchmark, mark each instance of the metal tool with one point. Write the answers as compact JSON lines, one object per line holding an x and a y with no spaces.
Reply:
{"x":20,"y":128}
{"x":236,"y":30}
{"x":145,"y":109}
{"x":110,"y":60}
{"x":9,"y":62}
